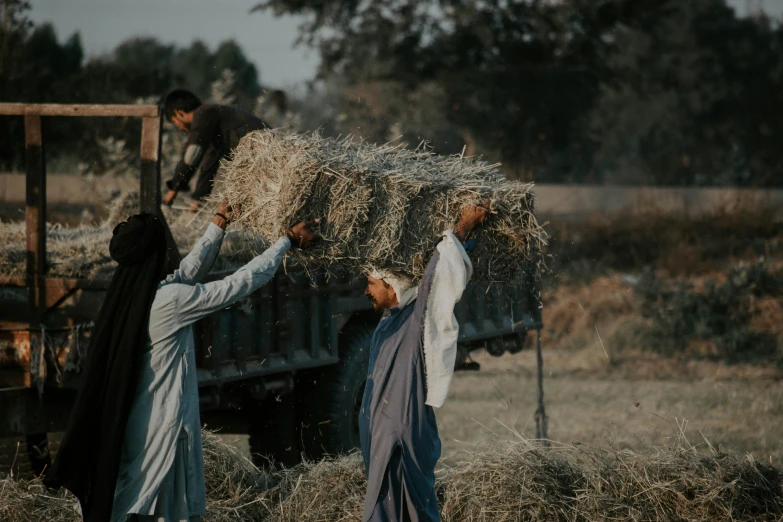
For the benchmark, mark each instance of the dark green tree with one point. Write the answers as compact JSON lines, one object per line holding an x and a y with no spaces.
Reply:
{"x":654,"y":91}
{"x":36,"y":67}
{"x":194,"y":68}
{"x":691,"y":96}
{"x":516,"y":77}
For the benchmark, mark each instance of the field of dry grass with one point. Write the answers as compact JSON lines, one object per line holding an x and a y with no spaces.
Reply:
{"x":638,"y":403}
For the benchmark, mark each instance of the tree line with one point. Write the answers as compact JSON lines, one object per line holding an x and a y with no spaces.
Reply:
{"x":616,"y":91}
{"x":37,"y":67}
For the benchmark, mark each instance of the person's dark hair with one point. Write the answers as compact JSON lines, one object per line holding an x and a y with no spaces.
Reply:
{"x":179,"y":100}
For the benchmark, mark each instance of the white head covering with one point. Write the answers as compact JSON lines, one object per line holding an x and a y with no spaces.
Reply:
{"x":404,"y":288}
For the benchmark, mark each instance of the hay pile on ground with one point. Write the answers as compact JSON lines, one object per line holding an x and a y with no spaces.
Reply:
{"x":522,"y":480}
{"x":500,"y":481}
{"x":235,"y":487}
{"x":236,"y":491}
{"x":382,"y":206}
{"x":83,"y":252}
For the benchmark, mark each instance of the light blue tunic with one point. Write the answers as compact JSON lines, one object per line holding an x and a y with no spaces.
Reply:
{"x":162,"y":468}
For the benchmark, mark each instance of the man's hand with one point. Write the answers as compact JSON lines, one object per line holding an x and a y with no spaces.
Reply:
{"x":302,"y":234}
{"x":168,"y":199}
{"x":472,"y":216}
{"x":225,"y":209}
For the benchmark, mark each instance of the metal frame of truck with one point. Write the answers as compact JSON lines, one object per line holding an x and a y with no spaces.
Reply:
{"x":288,"y":336}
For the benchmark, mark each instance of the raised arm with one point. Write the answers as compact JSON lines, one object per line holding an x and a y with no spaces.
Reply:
{"x":450,"y":264}
{"x":199,"y":261}
{"x":200,"y":300}
{"x":445,"y":280}
{"x":450,"y":258}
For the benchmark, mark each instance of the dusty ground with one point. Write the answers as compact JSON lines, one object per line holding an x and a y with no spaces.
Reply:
{"x":740,"y":409}
{"x":588,"y":401}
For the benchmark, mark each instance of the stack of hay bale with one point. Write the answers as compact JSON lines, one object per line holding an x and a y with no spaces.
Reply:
{"x":382,"y":207}
{"x":83,"y":251}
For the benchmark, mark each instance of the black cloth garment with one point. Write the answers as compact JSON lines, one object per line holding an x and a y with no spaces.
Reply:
{"x":214,"y":133}
{"x":206,"y":178}
{"x":87,"y":463}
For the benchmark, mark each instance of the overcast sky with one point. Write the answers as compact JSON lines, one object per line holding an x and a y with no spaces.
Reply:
{"x":266,"y":40}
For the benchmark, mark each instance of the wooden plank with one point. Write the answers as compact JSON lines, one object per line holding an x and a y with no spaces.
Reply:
{"x":60,"y":283}
{"x":57,"y":109}
{"x":149,"y":193}
{"x":150,"y":164}
{"x":35,"y":214}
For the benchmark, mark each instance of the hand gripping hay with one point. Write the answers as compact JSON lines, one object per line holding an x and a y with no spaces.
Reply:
{"x":381,"y":206}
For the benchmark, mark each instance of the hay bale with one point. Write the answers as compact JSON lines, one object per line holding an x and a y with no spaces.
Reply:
{"x":83,"y":251}
{"x":71,"y":251}
{"x":498,"y":481}
{"x":382,"y":206}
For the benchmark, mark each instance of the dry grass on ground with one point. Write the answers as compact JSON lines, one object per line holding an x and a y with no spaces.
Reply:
{"x":590,"y":400}
{"x":502,"y":481}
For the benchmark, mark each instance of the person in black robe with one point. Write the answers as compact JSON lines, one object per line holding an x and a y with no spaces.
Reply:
{"x":90,"y":456}
{"x":88,"y":459}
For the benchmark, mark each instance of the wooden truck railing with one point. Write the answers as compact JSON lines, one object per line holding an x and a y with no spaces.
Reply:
{"x":46,"y":293}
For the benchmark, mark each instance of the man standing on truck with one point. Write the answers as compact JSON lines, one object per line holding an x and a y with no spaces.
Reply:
{"x":213,"y":132}
{"x":132,"y":449}
{"x":412,"y":356}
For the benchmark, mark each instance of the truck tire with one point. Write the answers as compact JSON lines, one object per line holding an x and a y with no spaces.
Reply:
{"x":38,"y":452}
{"x":271,"y":430}
{"x":331,"y":401}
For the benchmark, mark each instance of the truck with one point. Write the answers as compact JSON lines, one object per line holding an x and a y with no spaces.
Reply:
{"x":287,"y":366}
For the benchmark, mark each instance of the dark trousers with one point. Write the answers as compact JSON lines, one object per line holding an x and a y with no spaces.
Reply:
{"x":206,"y":177}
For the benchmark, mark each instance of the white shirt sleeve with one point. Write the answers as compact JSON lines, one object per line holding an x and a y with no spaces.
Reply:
{"x":199,"y":261}
{"x":197,"y":301}
{"x":441,"y":329}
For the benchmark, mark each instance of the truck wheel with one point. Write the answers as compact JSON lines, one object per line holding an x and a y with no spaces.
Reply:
{"x":272,"y":432}
{"x":38,"y":452}
{"x":335,"y":398}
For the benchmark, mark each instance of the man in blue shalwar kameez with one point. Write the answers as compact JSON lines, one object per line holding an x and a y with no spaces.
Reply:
{"x":412,"y":358}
